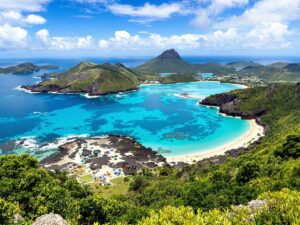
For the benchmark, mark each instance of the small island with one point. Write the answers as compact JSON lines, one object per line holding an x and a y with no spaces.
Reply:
{"x":26,"y":68}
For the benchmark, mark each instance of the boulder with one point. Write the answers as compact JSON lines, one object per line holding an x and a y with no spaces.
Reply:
{"x":50,"y":219}
{"x":17,"y":219}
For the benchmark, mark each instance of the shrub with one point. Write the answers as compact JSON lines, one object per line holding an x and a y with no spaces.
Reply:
{"x":247,"y":171}
{"x":289,"y":149}
{"x":7,"y":210}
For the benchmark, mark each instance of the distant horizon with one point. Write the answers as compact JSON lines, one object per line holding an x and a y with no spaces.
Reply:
{"x":242,"y":57}
{"x":146,"y":56}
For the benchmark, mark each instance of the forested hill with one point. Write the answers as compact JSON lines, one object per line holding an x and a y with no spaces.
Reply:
{"x":203,"y":193}
{"x":90,"y":78}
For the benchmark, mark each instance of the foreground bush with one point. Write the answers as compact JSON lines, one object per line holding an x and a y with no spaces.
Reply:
{"x":274,"y":208}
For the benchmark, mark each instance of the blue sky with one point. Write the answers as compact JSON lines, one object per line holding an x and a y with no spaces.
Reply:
{"x":39,"y":28}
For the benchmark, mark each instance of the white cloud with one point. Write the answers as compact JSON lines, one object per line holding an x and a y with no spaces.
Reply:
{"x":205,"y":16}
{"x":265,"y":11}
{"x":123,"y":40}
{"x":64,"y":43}
{"x":35,"y":19}
{"x":16,"y":18}
{"x":148,"y":11}
{"x":12,"y":37}
{"x":23,"y":5}
{"x":223,"y":39}
{"x":268,"y":36}
{"x":218,"y":6}
{"x":12,"y":16}
{"x":145,"y":13}
{"x":43,"y":36}
{"x":93,"y":1}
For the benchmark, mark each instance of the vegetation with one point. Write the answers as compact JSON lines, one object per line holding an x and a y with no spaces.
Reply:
{"x":277,"y":208}
{"x":203,"y":193}
{"x":25,"y":68}
{"x":177,"y":78}
{"x":91,"y":78}
{"x":276,"y":72}
{"x":242,"y":64}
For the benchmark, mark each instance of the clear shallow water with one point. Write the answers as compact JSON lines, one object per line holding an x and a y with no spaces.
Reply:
{"x":155,"y":116}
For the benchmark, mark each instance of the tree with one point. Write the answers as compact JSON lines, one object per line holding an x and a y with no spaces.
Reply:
{"x":138,"y":183}
{"x":95,"y":208}
{"x":247,"y":171}
{"x":289,"y":149}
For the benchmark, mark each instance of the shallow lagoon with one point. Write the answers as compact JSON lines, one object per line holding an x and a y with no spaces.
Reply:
{"x":155,"y":115}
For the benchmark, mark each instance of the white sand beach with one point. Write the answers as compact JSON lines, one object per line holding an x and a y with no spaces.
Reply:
{"x":254,"y":133}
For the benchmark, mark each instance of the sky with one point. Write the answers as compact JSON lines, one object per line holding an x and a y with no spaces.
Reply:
{"x":120,"y":28}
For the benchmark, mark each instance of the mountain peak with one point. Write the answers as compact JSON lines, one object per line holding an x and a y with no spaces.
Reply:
{"x":170,"y":53}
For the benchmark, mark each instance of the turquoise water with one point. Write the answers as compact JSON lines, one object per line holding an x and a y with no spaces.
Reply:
{"x":166,"y":74}
{"x":155,"y":115}
{"x":206,"y":75}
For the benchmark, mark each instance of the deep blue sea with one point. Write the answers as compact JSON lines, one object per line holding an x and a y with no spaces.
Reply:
{"x":154,"y":115}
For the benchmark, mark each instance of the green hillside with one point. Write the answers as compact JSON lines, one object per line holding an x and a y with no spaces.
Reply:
{"x":278,"y":72}
{"x":177,"y":78}
{"x":90,"y":78}
{"x":215,"y":68}
{"x":278,"y":65}
{"x":242,"y":64}
{"x":203,"y":193}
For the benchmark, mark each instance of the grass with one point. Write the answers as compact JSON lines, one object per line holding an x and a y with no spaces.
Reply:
{"x":118,"y":187}
{"x":86,"y":178}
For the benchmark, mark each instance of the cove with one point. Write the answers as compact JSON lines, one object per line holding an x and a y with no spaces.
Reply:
{"x":155,"y":115}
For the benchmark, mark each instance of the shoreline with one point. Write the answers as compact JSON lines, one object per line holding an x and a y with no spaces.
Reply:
{"x":254,"y":133}
{"x":83,"y":94}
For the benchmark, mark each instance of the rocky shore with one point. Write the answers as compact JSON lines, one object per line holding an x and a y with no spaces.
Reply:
{"x":39,"y":88}
{"x":109,"y":151}
{"x":229,"y":105}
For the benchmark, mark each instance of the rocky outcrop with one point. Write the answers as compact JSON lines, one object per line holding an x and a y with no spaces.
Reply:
{"x":18,"y":219}
{"x":171,"y":53}
{"x":41,"y":89}
{"x":229,"y":104}
{"x":253,"y":208}
{"x":298,"y":90}
{"x":218,"y":100}
{"x":50,"y":219}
